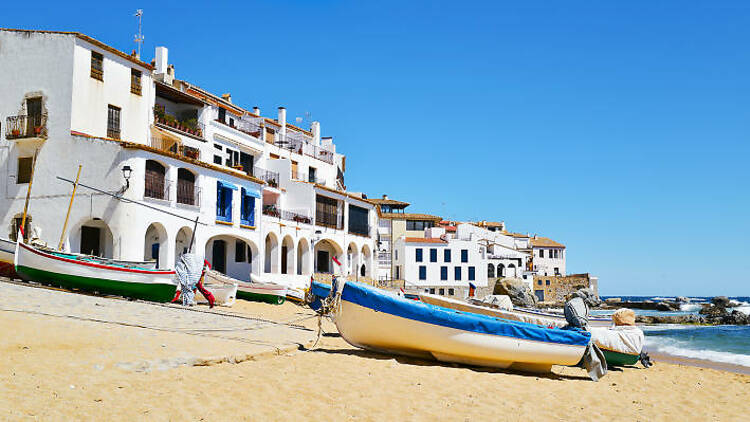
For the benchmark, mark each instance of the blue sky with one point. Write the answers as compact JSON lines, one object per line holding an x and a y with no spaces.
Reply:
{"x":617,"y":128}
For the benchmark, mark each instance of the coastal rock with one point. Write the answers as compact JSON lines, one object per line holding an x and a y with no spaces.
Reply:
{"x":667,"y":306}
{"x":613,"y":300}
{"x":517,"y":290}
{"x":682,"y":299}
{"x":722,"y":301}
{"x":736,"y":318}
{"x":671,"y":319}
{"x":589,"y":296}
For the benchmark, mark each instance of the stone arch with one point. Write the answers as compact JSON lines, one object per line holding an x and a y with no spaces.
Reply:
{"x":352,"y":259}
{"x":366,"y":264}
{"x":156,"y":245}
{"x":490,"y":270}
{"x":235,"y":256}
{"x":500,"y":270}
{"x":304,"y":260}
{"x":15,"y":223}
{"x":182,"y":242}
{"x":512,"y":270}
{"x":324,"y":251}
{"x":287,"y":255}
{"x":271,"y":262}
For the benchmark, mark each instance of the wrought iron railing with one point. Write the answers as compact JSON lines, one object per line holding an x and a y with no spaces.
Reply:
{"x":328,"y":219}
{"x":272,"y":211}
{"x":156,"y":187}
{"x":188,"y":193}
{"x":21,"y":127}
{"x":304,"y":147}
{"x":189,"y":127}
{"x":174,"y":147}
{"x":268,"y":176}
{"x":295,"y":216}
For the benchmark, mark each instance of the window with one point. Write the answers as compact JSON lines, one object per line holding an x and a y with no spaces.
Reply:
{"x":328,"y":212}
{"x":186,"y":192}
{"x":444,"y":273}
{"x":135,"y":81}
{"x":557,"y":270}
{"x":541,"y":253}
{"x":422,"y":272}
{"x":433,"y":255}
{"x":155,"y":182}
{"x":418,"y":255}
{"x":247,"y":209}
{"x":398,"y":273}
{"x":239,"y":251}
{"x":222,"y":115}
{"x":539,"y":282}
{"x":223,"y":202}
{"x":358,"y":220}
{"x":547,"y":283}
{"x":113,"y":122}
{"x":217,"y":159}
{"x":432,"y":291}
{"x":472,"y":273}
{"x":418,"y":225}
{"x":97,"y":66}
{"x":556,"y":252}
{"x":396,"y":254}
{"x":441,"y":292}
{"x":464,"y":255}
{"x":451,"y":292}
{"x":250,"y":257}
{"x":457,"y":273}
{"x":312,"y":175}
{"x":447,"y":255}
{"x":24,"y":170}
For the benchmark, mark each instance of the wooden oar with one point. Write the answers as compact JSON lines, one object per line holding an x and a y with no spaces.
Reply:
{"x":28,"y":196}
{"x":67,"y":216}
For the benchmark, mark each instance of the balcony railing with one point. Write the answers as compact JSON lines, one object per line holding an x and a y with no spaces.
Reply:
{"x":188,"y":194}
{"x":22,"y":127}
{"x":327,"y":219}
{"x":190,"y":127}
{"x":156,"y":187}
{"x":305,"y":147}
{"x":304,"y":177}
{"x":274,"y":211}
{"x":268,"y":176}
{"x":245,"y":126}
{"x":174,"y":148}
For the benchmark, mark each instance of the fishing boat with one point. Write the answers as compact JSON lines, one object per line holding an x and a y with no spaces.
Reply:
{"x":261,"y":291}
{"x":68,"y":271}
{"x":518,"y":314}
{"x":374,"y":319}
{"x":222,"y":287}
{"x":7,"y":252}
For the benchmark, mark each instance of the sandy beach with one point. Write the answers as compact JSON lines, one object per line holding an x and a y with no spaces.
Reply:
{"x":68,"y":356}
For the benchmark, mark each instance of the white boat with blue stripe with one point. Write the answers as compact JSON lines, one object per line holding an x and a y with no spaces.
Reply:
{"x":377,"y":320}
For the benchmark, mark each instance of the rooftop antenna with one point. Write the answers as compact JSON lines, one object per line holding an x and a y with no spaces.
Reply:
{"x":139,"y":36}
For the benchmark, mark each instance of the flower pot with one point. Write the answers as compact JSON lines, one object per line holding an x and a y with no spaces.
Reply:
{"x":37,"y":130}
{"x":16,"y":132}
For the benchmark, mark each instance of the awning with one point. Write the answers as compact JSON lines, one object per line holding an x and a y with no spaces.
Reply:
{"x":226,"y":185}
{"x":166,"y":140}
{"x":254,"y":192}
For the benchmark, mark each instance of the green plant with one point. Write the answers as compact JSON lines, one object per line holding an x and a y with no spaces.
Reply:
{"x":169,"y":118}
{"x":191,"y":123}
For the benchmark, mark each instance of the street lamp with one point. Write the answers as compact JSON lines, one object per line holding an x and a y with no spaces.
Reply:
{"x":126,"y":171}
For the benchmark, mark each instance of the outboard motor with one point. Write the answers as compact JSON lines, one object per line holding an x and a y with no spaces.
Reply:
{"x":577,"y":313}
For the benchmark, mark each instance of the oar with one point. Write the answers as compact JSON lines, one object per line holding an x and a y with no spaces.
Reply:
{"x":67,"y":216}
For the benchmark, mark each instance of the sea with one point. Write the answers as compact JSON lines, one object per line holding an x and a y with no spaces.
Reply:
{"x":722,"y":344}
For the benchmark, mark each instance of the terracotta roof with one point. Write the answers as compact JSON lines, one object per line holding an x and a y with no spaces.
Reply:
{"x":409,"y":216}
{"x":538,"y":241}
{"x":89,"y":40}
{"x":391,"y":202}
{"x":489,"y":223}
{"x":511,"y":234}
{"x":348,"y":195}
{"x":424,"y":240}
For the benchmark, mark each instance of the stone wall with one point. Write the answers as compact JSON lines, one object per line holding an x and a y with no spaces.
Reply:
{"x":553,"y":289}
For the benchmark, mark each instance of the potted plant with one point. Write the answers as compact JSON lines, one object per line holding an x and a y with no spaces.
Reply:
{"x":15,"y":132}
{"x":37,"y":130}
{"x":237,"y":167}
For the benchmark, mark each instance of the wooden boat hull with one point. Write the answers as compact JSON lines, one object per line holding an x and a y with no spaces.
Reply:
{"x":222,"y":287}
{"x":65,"y":271}
{"x":523,"y":315}
{"x":7,"y":254}
{"x":374,"y":319}
{"x":259,"y":291}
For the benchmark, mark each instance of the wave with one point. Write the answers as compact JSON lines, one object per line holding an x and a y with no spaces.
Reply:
{"x":663,"y":298}
{"x":745,"y":309}
{"x":690,"y":307}
{"x":682,"y":348}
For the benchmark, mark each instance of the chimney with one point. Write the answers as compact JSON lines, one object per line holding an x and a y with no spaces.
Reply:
{"x":162,"y":57}
{"x":315,"y":129}
{"x":227,"y":97}
{"x":256,"y":110}
{"x":385,"y":196}
{"x":282,"y":122}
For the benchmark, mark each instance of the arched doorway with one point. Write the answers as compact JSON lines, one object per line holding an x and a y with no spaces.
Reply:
{"x":271,"y":261}
{"x":155,"y":245}
{"x":155,"y":180}
{"x":490,"y":270}
{"x":233,"y":256}
{"x":92,"y":237}
{"x":352,"y":259}
{"x":512,"y":270}
{"x":182,"y":242}
{"x":365,"y":266}
{"x":287,"y":255}
{"x":303,"y":257}
{"x":500,"y":270}
{"x":324,"y":252}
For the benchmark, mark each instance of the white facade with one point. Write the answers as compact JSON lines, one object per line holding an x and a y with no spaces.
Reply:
{"x":439,"y":262}
{"x":282,"y":228}
{"x":549,"y":260}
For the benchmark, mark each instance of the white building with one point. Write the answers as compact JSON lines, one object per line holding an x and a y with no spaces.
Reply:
{"x":548,"y":256}
{"x":269,"y":196}
{"x":439,"y":264}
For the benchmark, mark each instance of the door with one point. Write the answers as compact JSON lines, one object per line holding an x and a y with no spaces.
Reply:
{"x":90,"y":240}
{"x":284,"y":260}
{"x":295,"y":176}
{"x":34,"y":113}
{"x":323,"y":262}
{"x":219,"y":256}
{"x":155,"y":253}
{"x":246,"y":161}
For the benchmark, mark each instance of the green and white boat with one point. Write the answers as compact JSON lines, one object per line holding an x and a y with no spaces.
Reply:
{"x":261,"y":291}
{"x":72,"y":271}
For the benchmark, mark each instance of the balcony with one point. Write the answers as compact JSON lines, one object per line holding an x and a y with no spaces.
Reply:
{"x":268,"y":176}
{"x":359,"y":229}
{"x":328,"y":219}
{"x":173,"y":147}
{"x":248,"y":127}
{"x":26,"y":127}
{"x":274,"y":211}
{"x":301,"y":144}
{"x":156,"y":187}
{"x":304,"y":177}
{"x":188,"y":194}
{"x":188,"y":127}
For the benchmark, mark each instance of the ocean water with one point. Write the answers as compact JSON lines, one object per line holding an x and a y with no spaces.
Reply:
{"x":725,"y":343}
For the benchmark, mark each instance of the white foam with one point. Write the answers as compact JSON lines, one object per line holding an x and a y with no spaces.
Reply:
{"x":676,"y":348}
{"x":663,"y":298}
{"x":690,"y":307}
{"x":745,"y":309}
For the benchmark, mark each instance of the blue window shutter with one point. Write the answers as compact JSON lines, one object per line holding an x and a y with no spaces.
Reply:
{"x":219,"y":201}
{"x":251,"y":204}
{"x":228,"y":203}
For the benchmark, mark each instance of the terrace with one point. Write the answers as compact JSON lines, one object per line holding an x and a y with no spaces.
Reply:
{"x":26,"y":127}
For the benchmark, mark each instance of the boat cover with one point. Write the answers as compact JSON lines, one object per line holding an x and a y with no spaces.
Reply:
{"x":188,"y":271}
{"x":369,"y":297}
{"x":623,"y":339}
